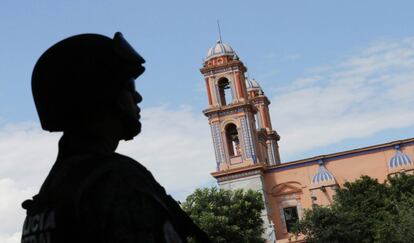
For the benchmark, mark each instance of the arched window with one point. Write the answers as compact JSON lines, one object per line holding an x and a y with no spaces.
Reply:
{"x":224,"y":91}
{"x":233,"y":142}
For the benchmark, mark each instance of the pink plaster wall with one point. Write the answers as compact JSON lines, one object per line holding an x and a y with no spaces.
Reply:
{"x":347,"y":168}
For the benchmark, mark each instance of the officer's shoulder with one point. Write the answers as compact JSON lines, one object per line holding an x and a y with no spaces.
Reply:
{"x":130,"y":170}
{"x":121,"y":162}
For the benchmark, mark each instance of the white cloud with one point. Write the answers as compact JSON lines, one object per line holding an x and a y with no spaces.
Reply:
{"x":10,"y":238}
{"x":10,"y":210}
{"x":358,"y":97}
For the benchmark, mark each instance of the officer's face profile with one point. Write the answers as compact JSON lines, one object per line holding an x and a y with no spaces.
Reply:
{"x":127,"y":103}
{"x":136,"y":99}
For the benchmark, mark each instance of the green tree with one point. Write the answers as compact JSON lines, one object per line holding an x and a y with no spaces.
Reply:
{"x":227,"y":215}
{"x":364,"y":211}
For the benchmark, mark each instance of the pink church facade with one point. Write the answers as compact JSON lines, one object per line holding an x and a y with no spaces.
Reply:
{"x":247,"y":152}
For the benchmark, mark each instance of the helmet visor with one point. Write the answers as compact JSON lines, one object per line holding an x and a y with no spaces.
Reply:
{"x":125,"y":51}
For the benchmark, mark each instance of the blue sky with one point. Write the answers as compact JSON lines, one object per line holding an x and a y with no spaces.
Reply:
{"x":278,"y":40}
{"x":339,"y":74}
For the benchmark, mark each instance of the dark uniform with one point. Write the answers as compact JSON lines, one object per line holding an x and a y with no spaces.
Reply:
{"x":93,"y":194}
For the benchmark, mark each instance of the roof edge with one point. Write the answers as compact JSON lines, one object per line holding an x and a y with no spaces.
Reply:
{"x":337,"y":155}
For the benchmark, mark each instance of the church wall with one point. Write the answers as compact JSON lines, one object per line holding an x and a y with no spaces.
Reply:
{"x":290,"y":184}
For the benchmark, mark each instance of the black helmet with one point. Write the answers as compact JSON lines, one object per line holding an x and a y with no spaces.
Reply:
{"x":80,"y":73}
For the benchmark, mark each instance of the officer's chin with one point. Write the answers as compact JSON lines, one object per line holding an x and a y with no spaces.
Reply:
{"x":132,"y":131}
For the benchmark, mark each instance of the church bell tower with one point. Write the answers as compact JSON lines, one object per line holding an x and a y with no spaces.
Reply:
{"x":238,"y":113}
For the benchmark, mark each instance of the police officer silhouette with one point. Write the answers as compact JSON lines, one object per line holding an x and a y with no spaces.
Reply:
{"x":84,"y":86}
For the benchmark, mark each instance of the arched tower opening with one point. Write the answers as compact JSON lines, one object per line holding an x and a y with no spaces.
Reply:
{"x":233,"y":141}
{"x":224,"y":91}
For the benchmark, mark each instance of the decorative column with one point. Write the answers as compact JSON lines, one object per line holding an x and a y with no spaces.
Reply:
{"x":210,"y":102}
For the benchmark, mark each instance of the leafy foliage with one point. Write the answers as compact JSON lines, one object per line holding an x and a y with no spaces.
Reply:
{"x":364,"y":211}
{"x":227,"y":216}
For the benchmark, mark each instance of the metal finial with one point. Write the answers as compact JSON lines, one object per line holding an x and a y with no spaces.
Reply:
{"x":219,"y":30}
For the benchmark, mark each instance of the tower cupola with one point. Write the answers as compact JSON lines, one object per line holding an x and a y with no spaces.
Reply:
{"x":220,"y":49}
{"x":323,"y":176}
{"x":400,"y":161}
{"x":252,"y":84}
{"x":253,"y":88}
{"x":323,"y":185}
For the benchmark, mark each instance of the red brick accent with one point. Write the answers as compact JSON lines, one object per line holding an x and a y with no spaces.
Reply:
{"x":239,"y":85}
{"x":208,"y":92}
{"x":265,"y":117}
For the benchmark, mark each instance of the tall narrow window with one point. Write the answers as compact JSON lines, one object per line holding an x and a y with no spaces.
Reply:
{"x":258,"y":121}
{"x":224,"y":91}
{"x":233,"y":142}
{"x":291,"y":217}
